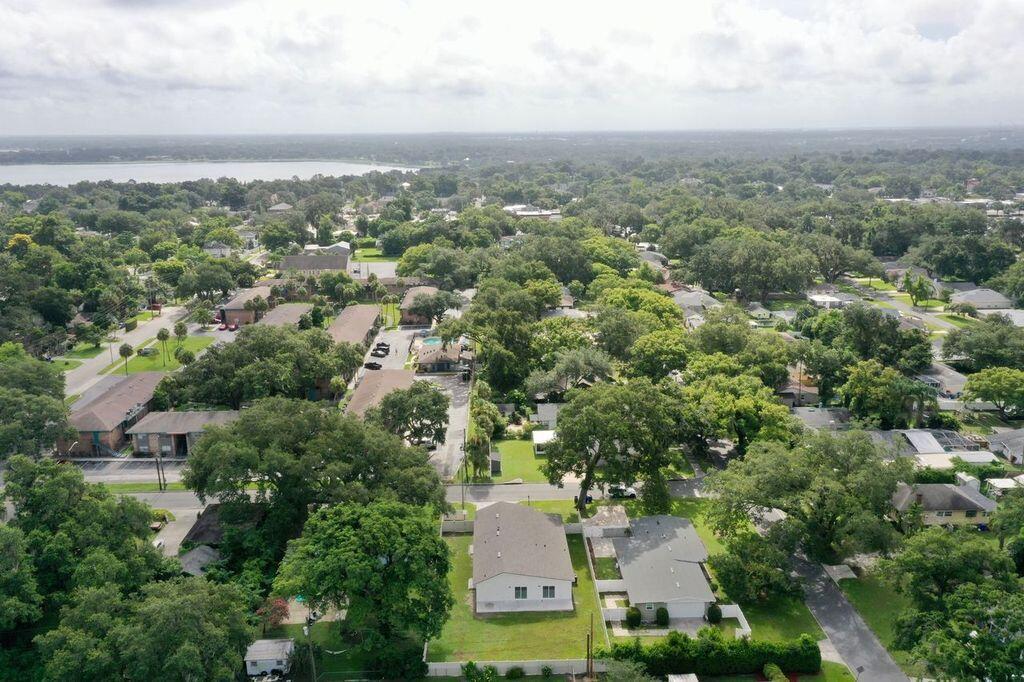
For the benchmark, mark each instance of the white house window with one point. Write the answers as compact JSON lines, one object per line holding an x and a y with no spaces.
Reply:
{"x":549,"y":592}
{"x":649,"y":607}
{"x":278,"y":662}
{"x":253,"y":664}
{"x":944,"y":513}
{"x":520,"y":593}
{"x":971,"y":513}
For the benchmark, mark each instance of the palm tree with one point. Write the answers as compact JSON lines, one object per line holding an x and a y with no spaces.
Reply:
{"x":126,"y":351}
{"x":162,"y":336}
{"x":180,"y":332}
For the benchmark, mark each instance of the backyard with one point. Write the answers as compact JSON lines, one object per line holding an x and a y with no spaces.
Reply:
{"x":156,"y":362}
{"x":370,"y":255}
{"x":326,"y":634}
{"x":515,"y":636}
{"x":830,"y":672}
{"x":83,"y":351}
{"x":518,"y":462}
{"x":879,"y":605}
{"x":958,"y":320}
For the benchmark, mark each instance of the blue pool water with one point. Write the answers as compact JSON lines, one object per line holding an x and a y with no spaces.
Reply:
{"x":432,"y":341}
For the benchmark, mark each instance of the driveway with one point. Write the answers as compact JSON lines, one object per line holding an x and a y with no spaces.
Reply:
{"x":400,"y":340}
{"x":850,"y":636}
{"x":448,"y":457}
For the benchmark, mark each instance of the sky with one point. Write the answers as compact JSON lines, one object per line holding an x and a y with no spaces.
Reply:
{"x":354,"y":66}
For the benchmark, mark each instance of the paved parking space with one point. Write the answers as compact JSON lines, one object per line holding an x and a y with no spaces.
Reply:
{"x":128,"y":470}
{"x":448,"y":456}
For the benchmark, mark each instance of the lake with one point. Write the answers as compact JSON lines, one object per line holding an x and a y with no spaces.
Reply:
{"x":179,"y":171}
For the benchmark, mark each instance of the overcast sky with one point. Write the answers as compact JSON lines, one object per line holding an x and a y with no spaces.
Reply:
{"x":352,"y":66}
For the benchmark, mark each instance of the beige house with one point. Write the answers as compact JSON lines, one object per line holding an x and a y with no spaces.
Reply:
{"x":172,"y":434}
{"x":944,"y":504}
{"x":355,"y":324}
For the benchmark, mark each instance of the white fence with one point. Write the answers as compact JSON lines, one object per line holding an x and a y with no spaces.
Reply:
{"x":456,"y":527}
{"x":611,"y":585}
{"x":573,"y":528}
{"x":558,"y":667}
{"x":734,"y":611}
{"x":614,"y":614}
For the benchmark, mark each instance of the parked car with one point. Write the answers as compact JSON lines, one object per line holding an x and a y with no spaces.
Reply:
{"x":385,"y":346}
{"x":223,"y":326}
{"x":158,"y":543}
{"x":233,"y":327}
{"x":622,"y":491}
{"x":379,"y":353}
{"x":372,"y":365}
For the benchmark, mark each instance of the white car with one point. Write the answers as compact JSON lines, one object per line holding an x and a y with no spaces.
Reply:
{"x":622,"y":491}
{"x":159,"y":543}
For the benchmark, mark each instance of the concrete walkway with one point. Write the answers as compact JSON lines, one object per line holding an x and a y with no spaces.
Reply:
{"x":850,"y":636}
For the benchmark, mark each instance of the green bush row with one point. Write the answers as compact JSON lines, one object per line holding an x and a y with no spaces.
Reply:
{"x":710,"y":653}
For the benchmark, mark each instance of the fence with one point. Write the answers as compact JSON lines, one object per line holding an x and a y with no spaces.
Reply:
{"x":617,"y":613}
{"x":456,"y":527}
{"x":558,"y":667}
{"x":734,"y":611}
{"x":573,"y":528}
{"x":611,"y":585}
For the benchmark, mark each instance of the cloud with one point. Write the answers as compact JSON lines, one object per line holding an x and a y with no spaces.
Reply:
{"x":112,"y":66}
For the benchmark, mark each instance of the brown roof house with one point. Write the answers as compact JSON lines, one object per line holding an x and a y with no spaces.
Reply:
{"x":286,"y":313}
{"x":944,"y":504}
{"x":172,"y":434}
{"x":102,"y":418}
{"x":235,"y":311}
{"x":521,"y":560}
{"x":315,"y":263}
{"x":376,"y":384}
{"x":408,"y":317}
{"x":438,"y":358}
{"x":355,"y":324}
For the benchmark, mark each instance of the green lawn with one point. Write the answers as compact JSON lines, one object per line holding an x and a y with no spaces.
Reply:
{"x":606,"y":569}
{"x":958,"y":320}
{"x":327,"y":636}
{"x":513,"y":636}
{"x":879,"y":605}
{"x":680,"y":466}
{"x":370,"y":255}
{"x":875,"y":283}
{"x":469,"y":508}
{"x":390,"y":314}
{"x":156,"y":363}
{"x":142,"y":487}
{"x":563,"y":507}
{"x":518,"y":461}
{"x":67,"y":365}
{"x":84,"y":352}
{"x":144,"y":316}
{"x":70,"y":400}
{"x":923,"y":303}
{"x":830,"y":672}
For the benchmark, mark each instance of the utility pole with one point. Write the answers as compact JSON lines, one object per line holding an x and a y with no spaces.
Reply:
{"x":312,"y":658}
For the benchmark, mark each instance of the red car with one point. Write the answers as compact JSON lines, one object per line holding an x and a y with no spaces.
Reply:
{"x":223,"y":326}
{"x":233,"y":327}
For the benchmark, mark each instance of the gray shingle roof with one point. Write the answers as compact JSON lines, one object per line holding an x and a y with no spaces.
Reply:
{"x":240,"y":298}
{"x":270,"y":650}
{"x":412,"y":293}
{"x":661,"y":561}
{"x":982,"y":297}
{"x":941,"y":497}
{"x":195,"y":561}
{"x":182,"y":422}
{"x":515,"y":539}
{"x":315,"y":261}
{"x":285,"y":313}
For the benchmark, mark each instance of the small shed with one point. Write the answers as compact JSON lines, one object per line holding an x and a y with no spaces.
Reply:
{"x":607,"y":522}
{"x":268,"y":656}
{"x":495,"y":459}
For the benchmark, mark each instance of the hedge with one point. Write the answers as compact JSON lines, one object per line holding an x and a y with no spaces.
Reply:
{"x":710,"y":653}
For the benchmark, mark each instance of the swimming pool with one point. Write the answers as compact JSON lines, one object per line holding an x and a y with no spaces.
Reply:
{"x":432,"y":341}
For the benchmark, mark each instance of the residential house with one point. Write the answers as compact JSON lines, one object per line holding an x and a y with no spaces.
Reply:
{"x":546,"y":416}
{"x":235,"y":311}
{"x":314,"y":264}
{"x":657,"y":260}
{"x":338,"y":249}
{"x":608,"y":521}
{"x":541,"y":439}
{"x":759,"y":312}
{"x":982,"y":299}
{"x":269,"y":657}
{"x":944,"y":380}
{"x":661,"y":563}
{"x":1009,"y":444}
{"x":997,"y":487}
{"x":376,"y":384}
{"x":103,"y":415}
{"x":521,"y":560}
{"x":172,"y":434}
{"x":195,"y":561}
{"x":355,"y":324}
{"x":208,"y":528}
{"x":249,"y":236}
{"x":439,"y":358}
{"x":407,"y":317}
{"x":831,"y":300}
{"x":797,"y":394}
{"x":943,"y":504}
{"x":531,"y":211}
{"x":695,"y":301}
{"x":280,"y":207}
{"x":823,"y":418}
{"x":286,"y":313}
{"x":217,"y":249}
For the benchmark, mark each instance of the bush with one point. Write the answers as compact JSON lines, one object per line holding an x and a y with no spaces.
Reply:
{"x":366,"y":243}
{"x":515,"y":673}
{"x":400,"y":661}
{"x":710,"y":653}
{"x":661,"y":616}
{"x":773,"y":673}
{"x":130,"y":325}
{"x":714,"y":614}
{"x":546,"y":672}
{"x":633,"y":617}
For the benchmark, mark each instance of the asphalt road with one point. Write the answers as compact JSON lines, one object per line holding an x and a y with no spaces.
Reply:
{"x":447,"y":458}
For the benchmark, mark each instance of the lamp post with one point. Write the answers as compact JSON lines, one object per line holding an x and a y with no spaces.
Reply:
{"x":312,"y":658}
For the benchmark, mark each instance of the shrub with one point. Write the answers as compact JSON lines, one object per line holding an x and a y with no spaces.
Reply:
{"x":714,"y":614}
{"x":515,"y":673}
{"x":773,"y":673}
{"x":130,"y":325}
{"x":633,"y":617}
{"x":400,"y":661}
{"x":711,"y":654}
{"x":546,"y":672}
{"x":661,"y":616}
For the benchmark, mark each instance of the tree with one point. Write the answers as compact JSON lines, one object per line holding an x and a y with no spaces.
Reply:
{"x":935,"y":562}
{"x":126,"y":351}
{"x":180,"y":332}
{"x":659,"y":353}
{"x":418,"y":414}
{"x":826,"y":365}
{"x":978,"y":637}
{"x":612,"y":433}
{"x":182,"y":629}
{"x":383,"y":562}
{"x":883,"y":395}
{"x":184,"y":356}
{"x":89,"y":334}
{"x":19,"y":597}
{"x":993,"y":341}
{"x":1001,"y":386}
{"x":919,"y":288}
{"x":478,"y":453}
{"x":162,"y":336}
{"x":836,"y":259}
{"x":753,"y":569}
{"x":350,"y":359}
{"x":569,"y":370}
{"x":272,"y":612}
{"x":836,"y":490}
{"x":433,"y":306}
{"x":1008,"y":520}
{"x":626,"y":671}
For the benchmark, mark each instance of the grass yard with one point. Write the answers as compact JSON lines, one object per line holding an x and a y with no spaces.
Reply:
{"x":390,"y":315}
{"x":144,"y":316}
{"x":70,"y":400}
{"x":514,"y":636}
{"x":958,"y":320}
{"x":781,"y":619}
{"x":923,"y":303}
{"x":327,"y":636}
{"x":469,"y":508}
{"x":518,"y":461}
{"x":370,"y":255}
{"x":830,"y":672}
{"x":605,"y":568}
{"x":155,"y":363}
{"x":879,"y":605}
{"x":142,"y":487}
{"x":563,"y":507}
{"x":875,"y":283}
{"x":67,"y":365}
{"x":83,"y":352}
{"x":680,"y":466}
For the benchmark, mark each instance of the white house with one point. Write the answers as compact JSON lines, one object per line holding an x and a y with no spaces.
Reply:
{"x":1009,"y":444}
{"x":541,"y":438}
{"x":546,"y":415}
{"x":266,"y":656}
{"x":520,"y":560}
{"x":217,"y":249}
{"x":662,"y":566}
{"x":982,"y":299}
